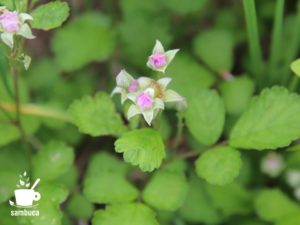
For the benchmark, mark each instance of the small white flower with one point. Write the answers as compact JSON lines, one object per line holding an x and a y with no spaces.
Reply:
{"x":159,"y":60}
{"x":152,"y":99}
{"x":293,"y":178}
{"x":272,"y":164}
{"x":125,"y":84}
{"x":14,"y":23}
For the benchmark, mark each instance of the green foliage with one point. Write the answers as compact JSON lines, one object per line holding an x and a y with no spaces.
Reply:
{"x":96,"y":116}
{"x":79,"y":207}
{"x":50,"y":15}
{"x":236,"y":94}
{"x":166,"y":190}
{"x":143,"y":147}
{"x":273,"y":204}
{"x":178,"y":6}
{"x":125,"y":214}
{"x":219,"y":166}
{"x":95,"y":32}
{"x":271,"y":121}
{"x":215,"y":48}
{"x":105,"y":181}
{"x":54,"y":159}
{"x":295,"y":66}
{"x":205,"y":116}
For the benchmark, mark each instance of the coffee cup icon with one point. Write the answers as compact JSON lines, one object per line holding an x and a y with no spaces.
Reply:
{"x":25,"y":197}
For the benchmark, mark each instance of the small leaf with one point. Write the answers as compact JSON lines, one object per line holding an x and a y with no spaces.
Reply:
{"x":219,"y":166}
{"x":25,"y":174}
{"x":273,"y":204}
{"x":50,"y":15}
{"x":125,"y":214}
{"x":143,"y":147}
{"x":22,"y":182}
{"x":205,"y":116}
{"x":295,"y":66}
{"x":271,"y":121}
{"x":11,"y":203}
{"x":27,"y":185}
{"x":96,"y":116}
{"x":166,"y":190}
{"x":54,"y":159}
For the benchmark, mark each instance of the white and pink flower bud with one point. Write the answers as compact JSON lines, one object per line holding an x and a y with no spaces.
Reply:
{"x":272,"y":164}
{"x":10,"y":21}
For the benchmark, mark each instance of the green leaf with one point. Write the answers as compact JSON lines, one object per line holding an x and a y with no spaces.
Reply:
{"x":232,"y":199}
{"x":205,"y":116}
{"x":197,"y":207}
{"x":50,"y":15}
{"x":166,"y":190}
{"x":291,"y":219}
{"x":95,"y":33}
{"x":4,"y":73}
{"x":143,"y":147}
{"x":215,"y":48}
{"x":96,"y":116}
{"x":188,"y":76}
{"x":236,"y":94}
{"x":79,"y":207}
{"x":52,"y":161}
{"x":181,"y":7}
{"x":271,"y":121}
{"x":273,"y":204}
{"x":295,"y":66}
{"x":105,"y":181}
{"x":219,"y":166}
{"x":125,"y":214}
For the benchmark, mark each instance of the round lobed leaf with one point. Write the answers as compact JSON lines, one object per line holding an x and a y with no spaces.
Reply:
{"x":143,"y":147}
{"x":219,"y":166}
{"x":166,"y":190}
{"x":205,"y":116}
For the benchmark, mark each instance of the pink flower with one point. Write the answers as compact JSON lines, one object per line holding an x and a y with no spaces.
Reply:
{"x":158,"y":59}
{"x":10,"y":21}
{"x":145,"y":100}
{"x":133,"y":86}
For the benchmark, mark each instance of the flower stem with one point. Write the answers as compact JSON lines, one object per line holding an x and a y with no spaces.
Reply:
{"x":276,"y":39}
{"x":253,"y":38}
{"x":179,"y":129}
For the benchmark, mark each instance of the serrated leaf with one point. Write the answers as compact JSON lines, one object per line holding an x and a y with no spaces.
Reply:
{"x":215,"y":48}
{"x":295,"y":66}
{"x":166,"y":190}
{"x":96,"y":116}
{"x":219,"y":166}
{"x":273,"y":204}
{"x":54,"y":159}
{"x":143,"y":147}
{"x":95,"y":33}
{"x":79,"y":207}
{"x":205,"y":116}
{"x":125,"y":214}
{"x":271,"y":121}
{"x":50,"y":15}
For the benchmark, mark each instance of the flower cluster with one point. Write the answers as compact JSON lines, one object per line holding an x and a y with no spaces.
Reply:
{"x":14,"y":23}
{"x":148,"y":96}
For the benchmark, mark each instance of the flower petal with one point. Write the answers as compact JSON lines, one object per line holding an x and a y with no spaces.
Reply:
{"x":172,"y":96}
{"x":158,"y":47}
{"x":159,"y":104}
{"x":8,"y":39}
{"x":124,"y":79}
{"x":171,"y":54}
{"x":25,"y":31}
{"x":133,"y":111}
{"x":132,"y":96}
{"x":117,"y":90}
{"x":148,"y":116}
{"x":164,"y":82}
{"x":144,"y":82}
{"x":24,"y":17}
